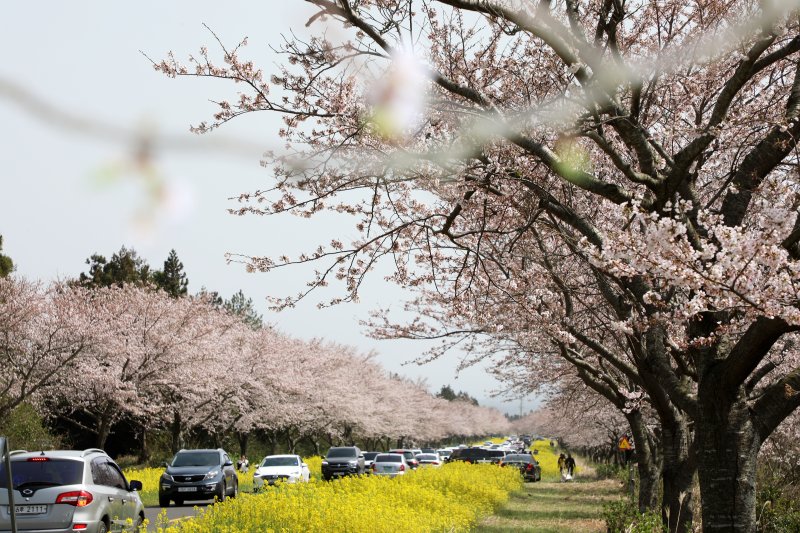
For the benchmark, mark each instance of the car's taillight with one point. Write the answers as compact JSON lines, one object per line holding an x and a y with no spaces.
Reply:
{"x":402,"y":468}
{"x":529,"y":467}
{"x":372,"y":467}
{"x":79,"y":527}
{"x":38,"y":459}
{"x":76,"y":498}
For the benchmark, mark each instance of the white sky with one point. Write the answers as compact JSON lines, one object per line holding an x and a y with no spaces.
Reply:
{"x":68,"y":191}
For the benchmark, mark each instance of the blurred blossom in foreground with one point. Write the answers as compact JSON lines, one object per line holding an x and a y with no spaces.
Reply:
{"x":159,"y":199}
{"x":398,"y":98}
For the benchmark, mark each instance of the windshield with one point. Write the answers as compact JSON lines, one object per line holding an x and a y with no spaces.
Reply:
{"x":341,"y":452}
{"x":196,"y":459}
{"x":369,"y":456}
{"x":42,"y":473}
{"x":280,"y":461}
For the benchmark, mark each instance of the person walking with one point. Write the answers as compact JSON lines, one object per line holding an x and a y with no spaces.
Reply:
{"x":569,"y":463}
{"x":561,"y":463}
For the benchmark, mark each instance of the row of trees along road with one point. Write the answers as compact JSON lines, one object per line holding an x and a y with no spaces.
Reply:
{"x":124,"y":344}
{"x":612,"y":185}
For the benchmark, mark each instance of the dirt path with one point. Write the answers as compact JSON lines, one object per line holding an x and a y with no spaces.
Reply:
{"x":555,"y":507}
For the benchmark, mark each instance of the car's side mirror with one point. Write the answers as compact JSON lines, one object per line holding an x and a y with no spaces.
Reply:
{"x":304,"y":465}
{"x":227,"y":463}
{"x":165,"y":464}
{"x":135,"y":485}
{"x":361,"y":456}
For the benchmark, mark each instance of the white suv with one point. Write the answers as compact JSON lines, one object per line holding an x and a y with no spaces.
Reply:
{"x":67,"y":491}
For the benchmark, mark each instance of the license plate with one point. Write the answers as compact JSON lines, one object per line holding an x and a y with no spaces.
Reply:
{"x":30,"y":509}
{"x":187,"y":489}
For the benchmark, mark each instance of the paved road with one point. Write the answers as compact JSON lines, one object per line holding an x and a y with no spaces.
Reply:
{"x":173,"y":513}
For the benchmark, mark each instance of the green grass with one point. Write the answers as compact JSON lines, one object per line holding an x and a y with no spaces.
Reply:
{"x":547,"y":507}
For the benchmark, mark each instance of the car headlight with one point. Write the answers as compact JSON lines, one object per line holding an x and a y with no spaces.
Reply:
{"x":212,"y":474}
{"x":325,"y":463}
{"x":352,"y":463}
{"x":166,"y":477}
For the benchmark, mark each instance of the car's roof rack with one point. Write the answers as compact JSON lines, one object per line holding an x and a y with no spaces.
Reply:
{"x":17,"y":452}
{"x":92,"y":450}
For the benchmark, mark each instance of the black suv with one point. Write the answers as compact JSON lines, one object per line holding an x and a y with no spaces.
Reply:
{"x":477,"y":455}
{"x":343,"y":461}
{"x":198,"y":475}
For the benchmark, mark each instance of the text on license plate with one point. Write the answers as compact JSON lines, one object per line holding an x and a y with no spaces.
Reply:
{"x":187,"y":489}
{"x":30,"y":509}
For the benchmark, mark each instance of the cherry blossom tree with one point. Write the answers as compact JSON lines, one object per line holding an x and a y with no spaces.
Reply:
{"x":632,"y":163}
{"x":44,"y":332}
{"x":157,"y":354}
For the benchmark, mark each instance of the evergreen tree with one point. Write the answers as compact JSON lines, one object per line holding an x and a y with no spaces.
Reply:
{"x":6,"y":264}
{"x":172,"y":279}
{"x":447,"y":393}
{"x":124,"y":267}
{"x":241,"y":305}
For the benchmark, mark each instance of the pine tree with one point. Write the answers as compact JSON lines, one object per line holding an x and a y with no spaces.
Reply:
{"x":124,"y":267}
{"x":6,"y":264}
{"x":172,"y":279}
{"x":241,"y":305}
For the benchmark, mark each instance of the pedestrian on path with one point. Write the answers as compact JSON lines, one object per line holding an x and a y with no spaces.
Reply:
{"x":562,"y":463}
{"x":569,"y":463}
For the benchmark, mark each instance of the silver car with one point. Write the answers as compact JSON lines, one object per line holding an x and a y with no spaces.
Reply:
{"x":67,"y":491}
{"x":390,"y":464}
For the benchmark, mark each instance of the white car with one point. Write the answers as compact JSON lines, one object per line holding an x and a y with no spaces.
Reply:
{"x":280,"y":469}
{"x":390,"y":465}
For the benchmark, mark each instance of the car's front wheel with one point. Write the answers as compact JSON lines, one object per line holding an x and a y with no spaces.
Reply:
{"x":235,"y":488}
{"x":223,"y":492}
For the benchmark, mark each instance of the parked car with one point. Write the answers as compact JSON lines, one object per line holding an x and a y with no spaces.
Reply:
{"x":280,"y":469}
{"x":444,"y":453}
{"x":411,"y":458}
{"x":198,"y":475}
{"x":390,"y":464}
{"x":528,"y":466}
{"x":343,"y":461}
{"x":477,"y":455}
{"x":428,"y":450}
{"x":368,"y":458}
{"x":429,"y":459}
{"x":69,"y":491}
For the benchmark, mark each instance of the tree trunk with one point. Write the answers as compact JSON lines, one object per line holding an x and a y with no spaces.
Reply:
{"x":175,"y":430}
{"x":728,"y":446}
{"x":103,"y":431}
{"x":647,"y":463}
{"x":243,"y":438}
{"x":144,"y":451}
{"x":678,"y":471}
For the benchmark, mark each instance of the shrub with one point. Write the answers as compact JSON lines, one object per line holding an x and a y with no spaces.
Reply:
{"x":610,"y":471}
{"x":623,"y":517}
{"x":25,"y":430}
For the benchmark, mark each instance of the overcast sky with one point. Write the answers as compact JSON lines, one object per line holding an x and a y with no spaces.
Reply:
{"x":76,"y":93}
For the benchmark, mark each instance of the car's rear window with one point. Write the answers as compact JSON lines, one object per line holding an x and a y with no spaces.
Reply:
{"x":518,"y":457}
{"x":389,"y":458}
{"x":196,"y":459}
{"x":427,"y":457}
{"x":42,"y":472}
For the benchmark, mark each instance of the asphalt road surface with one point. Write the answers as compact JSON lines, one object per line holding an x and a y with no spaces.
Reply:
{"x":174,"y":513}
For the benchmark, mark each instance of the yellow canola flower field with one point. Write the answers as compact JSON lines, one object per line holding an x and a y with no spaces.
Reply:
{"x":447,"y":499}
